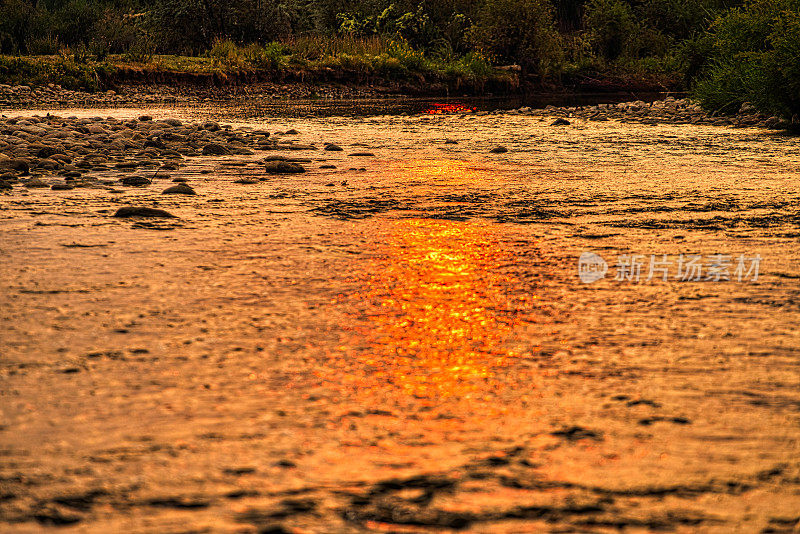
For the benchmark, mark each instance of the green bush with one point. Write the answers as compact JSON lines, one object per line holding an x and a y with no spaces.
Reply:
{"x":612,"y":27}
{"x":521,"y":32}
{"x":63,"y":71}
{"x":755,"y":57}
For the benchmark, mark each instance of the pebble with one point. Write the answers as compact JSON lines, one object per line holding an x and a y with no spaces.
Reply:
{"x":141,"y":211}
{"x":215,"y":149}
{"x":180,"y":189}
{"x":135,"y":181}
{"x":498,"y":150}
{"x":283,"y":167}
{"x":35,"y":183}
{"x":62,"y":187}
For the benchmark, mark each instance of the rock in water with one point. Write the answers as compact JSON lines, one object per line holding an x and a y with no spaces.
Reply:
{"x":62,"y":187}
{"x":498,"y":150}
{"x":283,"y":167}
{"x":367,"y":154}
{"x":330,"y":147}
{"x":215,"y":149}
{"x":180,"y":189}
{"x":139,"y":211}
{"x":246,"y":181}
{"x":5,"y":186}
{"x":35,"y":182}
{"x":135,"y":180}
{"x":17,"y":164}
{"x":560,"y":122}
{"x":46,"y":152}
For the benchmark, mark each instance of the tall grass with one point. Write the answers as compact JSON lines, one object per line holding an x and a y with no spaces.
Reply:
{"x":377,"y":55}
{"x":62,"y":70}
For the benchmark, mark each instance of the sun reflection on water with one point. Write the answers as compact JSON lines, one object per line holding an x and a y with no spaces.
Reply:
{"x":436,"y":315}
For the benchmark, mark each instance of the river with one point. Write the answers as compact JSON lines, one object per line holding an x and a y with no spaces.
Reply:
{"x":405,"y":343}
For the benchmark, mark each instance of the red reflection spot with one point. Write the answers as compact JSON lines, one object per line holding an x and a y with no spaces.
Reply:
{"x":437,"y":109}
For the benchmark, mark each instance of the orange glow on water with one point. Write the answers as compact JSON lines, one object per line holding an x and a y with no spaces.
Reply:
{"x":438,"y":308}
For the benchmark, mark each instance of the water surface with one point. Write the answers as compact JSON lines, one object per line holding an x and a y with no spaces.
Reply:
{"x":403,"y":343}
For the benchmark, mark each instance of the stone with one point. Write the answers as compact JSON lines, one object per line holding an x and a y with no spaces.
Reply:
{"x":35,"y":183}
{"x":154,"y":143}
{"x":499,"y":150}
{"x":46,"y":152}
{"x":284,"y":167}
{"x":145,"y":118}
{"x":746,"y":108}
{"x":5,"y":186}
{"x":365,"y":154}
{"x":180,"y":179}
{"x":141,"y":211}
{"x":62,"y":187}
{"x":215,"y":149}
{"x":246,"y":181}
{"x":135,"y":180}
{"x":211,"y":126}
{"x":560,"y":122}
{"x":180,"y":189}
{"x":330,"y":147}
{"x":17,"y":164}
{"x":291,"y":132}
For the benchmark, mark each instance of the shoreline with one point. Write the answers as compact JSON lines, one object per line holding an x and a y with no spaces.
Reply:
{"x":669,"y":110}
{"x":36,"y":147}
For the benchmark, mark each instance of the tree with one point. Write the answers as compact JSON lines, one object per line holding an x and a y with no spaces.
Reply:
{"x":521,"y":32}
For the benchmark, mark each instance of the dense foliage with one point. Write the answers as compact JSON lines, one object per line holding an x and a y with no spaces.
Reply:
{"x":755,"y":57}
{"x":732,"y":52}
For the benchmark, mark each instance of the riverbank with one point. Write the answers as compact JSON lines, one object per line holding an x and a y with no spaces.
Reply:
{"x":667,"y":111}
{"x":30,"y":81}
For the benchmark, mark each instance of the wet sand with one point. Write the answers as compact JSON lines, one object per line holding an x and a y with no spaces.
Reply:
{"x":411,"y":350}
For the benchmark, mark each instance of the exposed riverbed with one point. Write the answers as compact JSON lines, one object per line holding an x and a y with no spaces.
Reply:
{"x":402,"y":342}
